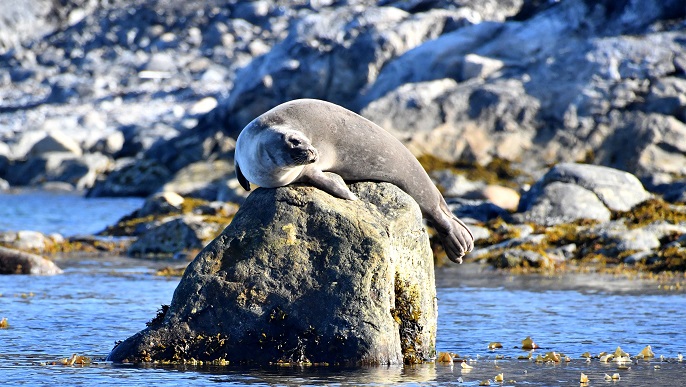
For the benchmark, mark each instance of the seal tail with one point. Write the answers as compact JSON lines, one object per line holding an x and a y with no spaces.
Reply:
{"x":457,"y":239}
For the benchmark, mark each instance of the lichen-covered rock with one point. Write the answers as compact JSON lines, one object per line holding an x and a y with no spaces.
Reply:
{"x":570,"y":192}
{"x":302,"y":276}
{"x":19,"y":262}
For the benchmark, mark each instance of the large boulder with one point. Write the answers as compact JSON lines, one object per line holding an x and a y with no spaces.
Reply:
{"x":574,"y":82}
{"x":301,"y":276}
{"x":330,"y":55}
{"x":569,"y":192}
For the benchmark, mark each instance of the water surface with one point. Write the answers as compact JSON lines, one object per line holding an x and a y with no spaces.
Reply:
{"x":66,"y":213}
{"x":99,"y":301}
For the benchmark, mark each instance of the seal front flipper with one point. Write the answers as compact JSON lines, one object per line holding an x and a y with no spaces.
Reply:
{"x":241,"y":179}
{"x":327,"y":182}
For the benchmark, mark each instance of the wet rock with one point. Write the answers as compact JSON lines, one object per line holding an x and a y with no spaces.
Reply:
{"x":300,"y":276}
{"x":18,"y":262}
{"x":569,"y":192}
{"x":172,"y":236}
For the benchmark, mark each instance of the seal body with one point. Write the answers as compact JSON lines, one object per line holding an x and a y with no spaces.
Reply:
{"x":299,"y":140}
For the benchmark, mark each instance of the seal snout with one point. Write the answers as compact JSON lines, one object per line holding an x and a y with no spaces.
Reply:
{"x":312,"y":155}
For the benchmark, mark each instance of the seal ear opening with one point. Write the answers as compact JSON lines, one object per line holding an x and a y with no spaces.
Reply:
{"x":241,"y":179}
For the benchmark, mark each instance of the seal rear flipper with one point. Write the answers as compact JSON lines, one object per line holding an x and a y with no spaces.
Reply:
{"x":241,"y":179}
{"x":328,"y":182}
{"x":457,"y":239}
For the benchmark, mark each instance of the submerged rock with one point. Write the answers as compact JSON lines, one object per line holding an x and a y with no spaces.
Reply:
{"x":18,"y":262}
{"x":300,"y":276}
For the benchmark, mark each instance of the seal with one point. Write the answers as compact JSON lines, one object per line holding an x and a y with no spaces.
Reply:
{"x":297,"y":141}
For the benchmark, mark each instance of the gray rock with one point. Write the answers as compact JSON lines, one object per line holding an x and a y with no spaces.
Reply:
{"x":161,"y":203}
{"x":26,"y":240}
{"x":56,"y":141}
{"x":619,"y":238}
{"x":329,"y":55}
{"x":18,"y":262}
{"x":471,"y":121}
{"x":80,"y":172}
{"x":479,"y":210}
{"x":583,"y":86}
{"x":140,"y":178}
{"x":559,"y":202}
{"x":639,"y":257}
{"x":202,"y":179}
{"x":569,"y":192}
{"x":618,"y":190}
{"x":515,"y":258}
{"x":301,"y":276}
{"x":172,"y":236}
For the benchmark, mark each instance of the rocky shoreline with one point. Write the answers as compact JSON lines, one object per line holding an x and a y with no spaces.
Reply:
{"x":145,"y":98}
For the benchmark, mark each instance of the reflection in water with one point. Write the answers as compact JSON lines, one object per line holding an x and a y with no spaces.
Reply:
{"x":96,"y":303}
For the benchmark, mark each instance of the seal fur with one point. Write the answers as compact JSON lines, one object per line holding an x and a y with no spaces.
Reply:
{"x":300,"y":140}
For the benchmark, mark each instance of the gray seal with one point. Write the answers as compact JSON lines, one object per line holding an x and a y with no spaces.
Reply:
{"x":296,"y":142}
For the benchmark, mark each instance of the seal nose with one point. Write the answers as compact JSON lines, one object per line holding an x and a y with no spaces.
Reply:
{"x":312,"y":155}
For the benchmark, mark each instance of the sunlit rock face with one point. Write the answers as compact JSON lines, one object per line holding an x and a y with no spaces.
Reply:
{"x":300,"y":276}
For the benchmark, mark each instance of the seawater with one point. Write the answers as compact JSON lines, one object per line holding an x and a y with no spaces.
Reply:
{"x":66,"y":213}
{"x":98,"y":301}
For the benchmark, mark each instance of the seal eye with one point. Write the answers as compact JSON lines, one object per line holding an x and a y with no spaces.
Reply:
{"x":294,"y":142}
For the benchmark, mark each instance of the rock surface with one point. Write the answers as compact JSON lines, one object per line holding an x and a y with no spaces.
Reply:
{"x":536,"y":83}
{"x":19,"y":262}
{"x":568,"y":192}
{"x":300,"y":276}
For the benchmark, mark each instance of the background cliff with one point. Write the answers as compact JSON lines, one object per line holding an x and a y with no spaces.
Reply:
{"x":109,"y":95}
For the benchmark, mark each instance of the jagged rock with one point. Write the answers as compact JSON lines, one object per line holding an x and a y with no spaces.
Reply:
{"x":18,"y":262}
{"x":301,"y":276}
{"x":331,"y":55}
